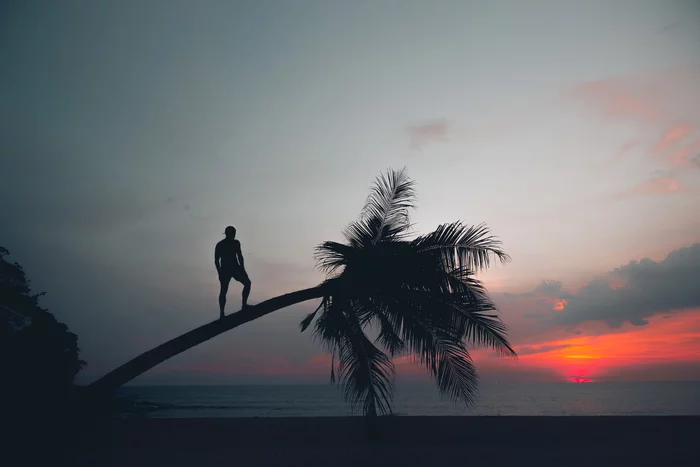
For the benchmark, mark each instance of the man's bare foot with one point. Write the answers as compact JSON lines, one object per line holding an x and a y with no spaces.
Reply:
{"x":222,"y":315}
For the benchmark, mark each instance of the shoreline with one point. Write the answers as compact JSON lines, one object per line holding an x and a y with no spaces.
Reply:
{"x":398,"y":440}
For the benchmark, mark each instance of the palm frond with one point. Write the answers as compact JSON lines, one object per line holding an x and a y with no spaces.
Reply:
{"x":333,"y":367}
{"x":434,"y":330}
{"x":456,"y":376}
{"x":329,"y":325}
{"x":364,"y":371}
{"x":367,"y":374}
{"x":463,"y":246}
{"x":389,"y":200}
{"x":330,"y":286}
{"x":310,"y":317}
{"x":385,"y":215}
{"x":330,"y":256}
{"x":374,"y":314}
{"x":482,"y":329}
{"x":474,"y":313}
{"x":465,"y":311}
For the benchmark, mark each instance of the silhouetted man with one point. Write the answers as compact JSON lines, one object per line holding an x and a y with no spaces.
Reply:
{"x":228,"y":259}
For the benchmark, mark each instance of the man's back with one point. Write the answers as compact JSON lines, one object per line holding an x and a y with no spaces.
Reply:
{"x":227,"y":250}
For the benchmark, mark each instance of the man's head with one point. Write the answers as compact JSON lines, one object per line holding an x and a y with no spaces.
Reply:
{"x":230,"y":232}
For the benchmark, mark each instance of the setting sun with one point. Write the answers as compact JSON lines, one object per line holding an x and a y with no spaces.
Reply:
{"x":581,"y":380}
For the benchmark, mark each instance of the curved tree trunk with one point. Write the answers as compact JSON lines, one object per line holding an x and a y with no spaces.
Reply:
{"x":148,"y":360}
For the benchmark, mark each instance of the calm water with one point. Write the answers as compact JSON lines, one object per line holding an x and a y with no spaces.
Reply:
{"x":418,"y":399}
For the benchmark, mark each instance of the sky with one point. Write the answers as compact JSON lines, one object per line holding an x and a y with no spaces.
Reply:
{"x":132,"y":133}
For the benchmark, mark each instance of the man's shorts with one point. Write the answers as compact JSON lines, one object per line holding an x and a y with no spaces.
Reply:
{"x":238,"y":274}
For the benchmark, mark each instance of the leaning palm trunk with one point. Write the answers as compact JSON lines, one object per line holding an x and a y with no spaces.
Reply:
{"x":163,"y":352}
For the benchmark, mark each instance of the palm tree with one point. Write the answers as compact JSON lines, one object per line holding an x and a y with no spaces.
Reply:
{"x":419,"y":295}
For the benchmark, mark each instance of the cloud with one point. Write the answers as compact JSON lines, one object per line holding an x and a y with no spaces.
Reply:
{"x":695,"y":161}
{"x":663,"y":102}
{"x":682,"y":156}
{"x":428,"y":132}
{"x":618,"y":98}
{"x":629,"y":294}
{"x":541,"y":349}
{"x":655,"y":186}
{"x":549,"y":288}
{"x":627,"y":147}
{"x":651,"y":287}
{"x":673,"y":136}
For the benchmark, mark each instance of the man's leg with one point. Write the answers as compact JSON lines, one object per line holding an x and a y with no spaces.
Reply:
{"x":222,"y":293}
{"x":246,"y":290}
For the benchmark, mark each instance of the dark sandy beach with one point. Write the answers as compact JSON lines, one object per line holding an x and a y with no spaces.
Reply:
{"x":400,"y":441}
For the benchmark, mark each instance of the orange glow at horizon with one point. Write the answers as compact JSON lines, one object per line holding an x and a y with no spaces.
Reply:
{"x":578,"y":359}
{"x":590,"y":357}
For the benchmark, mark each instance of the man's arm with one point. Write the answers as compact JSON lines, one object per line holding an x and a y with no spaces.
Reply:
{"x":217,"y":256}
{"x":239,"y":255}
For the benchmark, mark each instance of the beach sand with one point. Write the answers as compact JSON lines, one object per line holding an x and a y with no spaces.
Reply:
{"x":400,"y":441}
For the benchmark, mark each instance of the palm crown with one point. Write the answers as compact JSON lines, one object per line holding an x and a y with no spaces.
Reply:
{"x":420,"y":295}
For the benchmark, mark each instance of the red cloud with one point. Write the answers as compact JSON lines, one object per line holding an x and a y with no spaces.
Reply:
{"x":672,"y":136}
{"x":615,"y":99}
{"x":656,"y":186}
{"x":683,"y":157}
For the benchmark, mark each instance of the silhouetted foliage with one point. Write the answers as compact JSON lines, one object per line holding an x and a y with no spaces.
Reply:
{"x":39,"y":359}
{"x":420,"y":294}
{"x":39,"y":355}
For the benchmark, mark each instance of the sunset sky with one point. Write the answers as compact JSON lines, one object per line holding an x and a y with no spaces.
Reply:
{"x":134,"y":132}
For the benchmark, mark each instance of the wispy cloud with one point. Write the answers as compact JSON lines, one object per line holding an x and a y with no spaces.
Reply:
{"x":618,"y":98}
{"x":655,"y":186}
{"x":627,"y":147}
{"x":661,"y":103}
{"x":685,"y":156}
{"x":428,"y":132}
{"x":441,"y":131}
{"x":673,"y":136}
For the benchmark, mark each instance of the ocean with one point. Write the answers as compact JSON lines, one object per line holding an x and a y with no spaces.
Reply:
{"x":548,"y":399}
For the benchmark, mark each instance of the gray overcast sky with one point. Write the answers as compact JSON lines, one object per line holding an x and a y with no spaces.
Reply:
{"x":133,"y":132}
